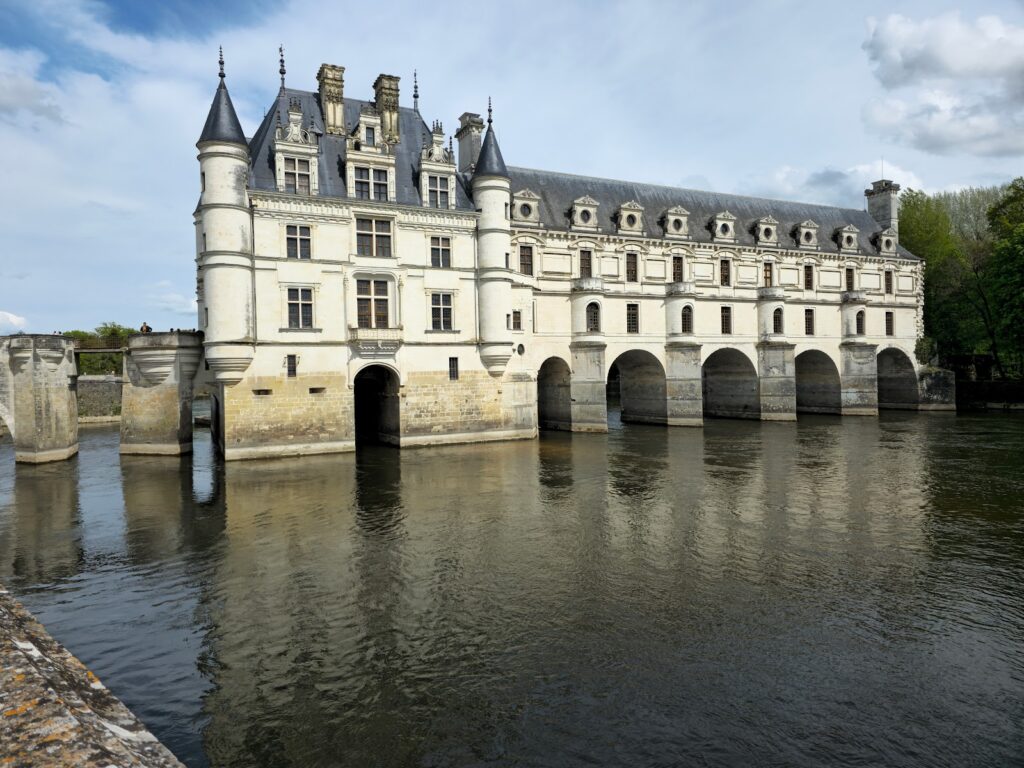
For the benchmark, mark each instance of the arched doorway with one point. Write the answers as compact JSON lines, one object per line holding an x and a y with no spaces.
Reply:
{"x":817,"y":383}
{"x":638,"y":379}
{"x":376,"y":406}
{"x":729,"y":383}
{"x":554,"y":403}
{"x":897,"y":380}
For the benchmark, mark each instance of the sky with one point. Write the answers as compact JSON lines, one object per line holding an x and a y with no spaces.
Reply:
{"x":101,"y":103}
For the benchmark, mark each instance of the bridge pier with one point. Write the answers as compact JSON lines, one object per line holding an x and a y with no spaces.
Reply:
{"x":38,"y":398}
{"x":683,"y":385}
{"x":777,"y":380}
{"x":588,"y":387}
{"x":858,"y":378}
{"x":156,"y":399}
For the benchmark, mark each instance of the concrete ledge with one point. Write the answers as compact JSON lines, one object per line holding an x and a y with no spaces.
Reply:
{"x":156,"y":449}
{"x":859,"y":411}
{"x":42,"y":457}
{"x":778,"y":416}
{"x":55,"y":713}
{"x":937,"y":407}
{"x":99,"y":419}
{"x":297,"y":449}
{"x":589,"y":427}
{"x":416,"y":441}
{"x":685,"y":421}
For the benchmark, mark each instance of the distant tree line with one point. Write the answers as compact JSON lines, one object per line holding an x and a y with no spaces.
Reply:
{"x":111,"y":335}
{"x":972,"y":241}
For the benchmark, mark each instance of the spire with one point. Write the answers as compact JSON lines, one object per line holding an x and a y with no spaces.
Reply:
{"x":281,"y":71}
{"x":490,"y":161}
{"x":415,"y":92}
{"x":222,"y":123}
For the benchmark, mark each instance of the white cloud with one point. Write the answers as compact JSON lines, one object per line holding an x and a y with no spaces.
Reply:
{"x":21,"y":92}
{"x":830,"y":186}
{"x":10,"y":322}
{"x":954,"y":86}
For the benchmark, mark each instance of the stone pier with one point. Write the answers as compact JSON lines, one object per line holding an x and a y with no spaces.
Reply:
{"x":776,"y":380}
{"x":683,"y":385}
{"x":858,"y":379}
{"x":156,"y":399}
{"x":38,"y":399}
{"x":588,"y":387}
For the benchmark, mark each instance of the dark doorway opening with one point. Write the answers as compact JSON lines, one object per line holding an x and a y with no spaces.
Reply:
{"x":376,"y":406}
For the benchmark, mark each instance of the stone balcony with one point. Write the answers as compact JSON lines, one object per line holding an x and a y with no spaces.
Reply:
{"x":854,"y":297}
{"x":682,"y":288}
{"x":771,"y":293}
{"x":375,"y":342}
{"x":587,"y":285}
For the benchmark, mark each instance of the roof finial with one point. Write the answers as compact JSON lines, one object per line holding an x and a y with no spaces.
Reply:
{"x":221,"y":62}
{"x":280,"y":50}
{"x":415,"y":92}
{"x":488,"y":110}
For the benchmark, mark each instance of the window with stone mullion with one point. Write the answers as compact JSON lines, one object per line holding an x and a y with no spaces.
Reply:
{"x":437,"y":191}
{"x":441,"y":311}
{"x":298,"y":238}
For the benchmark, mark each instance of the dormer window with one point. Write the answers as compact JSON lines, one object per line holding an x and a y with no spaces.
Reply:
{"x":296,"y":175}
{"x":584,"y":213}
{"x":724,"y":227}
{"x":526,"y":207}
{"x":437,"y":171}
{"x":807,"y":234}
{"x":846,"y":238}
{"x":767,"y":231}
{"x":887,"y":241}
{"x":437,"y":187}
{"x":371,"y":137}
{"x":295,"y":154}
{"x":631,"y":217}
{"x":677,"y":222}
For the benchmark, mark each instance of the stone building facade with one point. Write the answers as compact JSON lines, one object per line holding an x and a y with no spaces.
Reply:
{"x":359,"y":279}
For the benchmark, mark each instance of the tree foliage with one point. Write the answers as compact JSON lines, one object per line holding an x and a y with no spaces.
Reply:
{"x":112,"y":335}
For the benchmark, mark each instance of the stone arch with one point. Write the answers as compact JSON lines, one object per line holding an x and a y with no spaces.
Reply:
{"x":897,"y":380}
{"x":730,"y":386}
{"x":376,"y":402}
{"x":640,"y":379}
{"x":554,"y":401}
{"x":818,"y":388}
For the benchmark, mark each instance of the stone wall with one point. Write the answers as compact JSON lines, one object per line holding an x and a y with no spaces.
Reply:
{"x":99,"y":397}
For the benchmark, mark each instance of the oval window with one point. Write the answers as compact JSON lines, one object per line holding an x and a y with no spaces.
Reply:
{"x":888,"y":244}
{"x":521,"y":349}
{"x":677,"y":224}
{"x":808,"y":236}
{"x":525,"y":210}
{"x":767,"y":234}
{"x":584,"y":216}
{"x":724,"y":229}
{"x":849,"y":240}
{"x":631,"y":220}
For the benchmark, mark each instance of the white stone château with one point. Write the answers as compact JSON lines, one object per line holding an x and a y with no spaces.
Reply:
{"x":357,"y":281}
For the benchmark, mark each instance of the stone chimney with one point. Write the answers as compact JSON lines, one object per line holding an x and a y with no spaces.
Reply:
{"x":385,"y":89}
{"x":884,"y":203}
{"x":471,"y":129}
{"x":332,"y":97}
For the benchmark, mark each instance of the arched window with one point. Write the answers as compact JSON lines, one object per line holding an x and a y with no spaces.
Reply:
{"x":593,"y":317}
{"x":777,"y":320}
{"x":860,"y":323}
{"x":687,"y":326}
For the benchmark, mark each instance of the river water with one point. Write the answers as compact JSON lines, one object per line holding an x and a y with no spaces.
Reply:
{"x":830,"y":592}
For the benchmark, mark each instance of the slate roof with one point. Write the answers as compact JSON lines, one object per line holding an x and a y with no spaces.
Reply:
{"x":558,"y":191}
{"x":411,"y":126}
{"x":490,"y":161}
{"x":222,"y":122}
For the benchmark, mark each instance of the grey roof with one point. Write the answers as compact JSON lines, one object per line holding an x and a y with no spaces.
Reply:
{"x":490,"y":161}
{"x":558,"y":191}
{"x":222,"y":122}
{"x":331,"y":178}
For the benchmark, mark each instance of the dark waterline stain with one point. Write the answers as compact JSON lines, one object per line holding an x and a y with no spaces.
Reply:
{"x":830,"y":592}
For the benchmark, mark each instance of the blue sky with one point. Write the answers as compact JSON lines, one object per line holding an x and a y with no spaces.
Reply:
{"x":101,"y":104}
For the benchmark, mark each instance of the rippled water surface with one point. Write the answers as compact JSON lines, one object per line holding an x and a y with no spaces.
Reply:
{"x":822,"y":593}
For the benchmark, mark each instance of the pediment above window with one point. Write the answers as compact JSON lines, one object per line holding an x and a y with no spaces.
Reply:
{"x":526,"y":207}
{"x":806,"y":234}
{"x":677,"y":222}
{"x":584,"y":213}
{"x":724,"y":227}
{"x":766,"y":230}
{"x":846,"y":238}
{"x":631,"y":217}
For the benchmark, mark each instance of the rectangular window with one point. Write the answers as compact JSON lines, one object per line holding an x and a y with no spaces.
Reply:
{"x":298,"y":238}
{"x":373,"y":237}
{"x":453,"y":368}
{"x":296,"y":175}
{"x":890,"y":324}
{"x":362,"y":183}
{"x":380,"y":185}
{"x":677,"y":269}
{"x":292,"y":365}
{"x":441,"y":252}
{"x":372,"y":303}
{"x":300,"y":307}
{"x":888,"y":281}
{"x":726,"y":320}
{"x":724,"y":274}
{"x":768,"y":276}
{"x":526,"y":259}
{"x":808,"y":277}
{"x":517,"y":320}
{"x":441,"y":311}
{"x":586,"y":264}
{"x":809,"y":322}
{"x":371,"y":136}
{"x":849,"y":279}
{"x":202,"y":182}
{"x":631,"y":270}
{"x":437,"y":191}
{"x":632,"y":318}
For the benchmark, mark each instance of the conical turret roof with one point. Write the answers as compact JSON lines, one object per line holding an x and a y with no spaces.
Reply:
{"x":490,"y":161}
{"x":222,"y":122}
